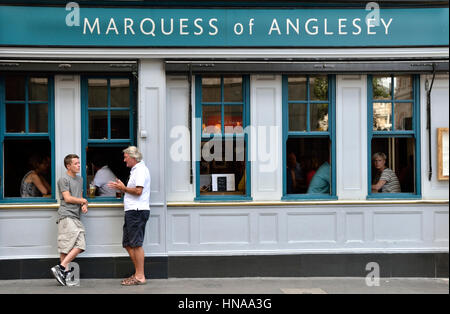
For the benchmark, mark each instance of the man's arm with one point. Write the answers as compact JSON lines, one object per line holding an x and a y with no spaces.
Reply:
{"x":72,"y":199}
{"x":118,"y":185}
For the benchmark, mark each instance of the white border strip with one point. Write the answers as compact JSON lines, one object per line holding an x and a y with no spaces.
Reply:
{"x":275,"y":53}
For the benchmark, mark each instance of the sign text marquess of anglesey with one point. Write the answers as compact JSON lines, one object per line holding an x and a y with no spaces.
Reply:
{"x":199,"y":26}
{"x":222,"y":27}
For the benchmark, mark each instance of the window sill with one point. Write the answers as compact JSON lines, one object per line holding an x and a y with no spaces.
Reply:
{"x":394,"y":196}
{"x":309,"y":197}
{"x":100,"y":199}
{"x":28,"y":200}
{"x":222,"y":198}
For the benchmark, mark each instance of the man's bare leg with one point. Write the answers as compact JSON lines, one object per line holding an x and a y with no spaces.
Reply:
{"x":71,"y":256}
{"x":62,"y":256}
{"x":139,"y":256}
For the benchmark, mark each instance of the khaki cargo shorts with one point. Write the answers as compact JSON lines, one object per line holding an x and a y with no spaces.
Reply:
{"x":71,"y":234}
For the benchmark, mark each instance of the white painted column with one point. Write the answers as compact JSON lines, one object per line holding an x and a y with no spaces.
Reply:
{"x":266,"y":137}
{"x":351,"y":137}
{"x":178,"y":185}
{"x":151,"y":138}
{"x":151,"y":124}
{"x":433,"y":189}
{"x":67,"y":119}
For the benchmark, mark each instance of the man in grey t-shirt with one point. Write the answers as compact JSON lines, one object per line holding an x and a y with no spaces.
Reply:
{"x":71,"y":232}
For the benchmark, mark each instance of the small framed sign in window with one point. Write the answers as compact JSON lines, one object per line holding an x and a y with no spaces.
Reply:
{"x":443,"y":154}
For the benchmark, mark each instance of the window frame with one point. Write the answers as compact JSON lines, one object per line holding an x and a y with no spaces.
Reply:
{"x":87,"y":142}
{"x":331,"y":133}
{"x":415,"y":134}
{"x":199,"y":135}
{"x":50,"y":134}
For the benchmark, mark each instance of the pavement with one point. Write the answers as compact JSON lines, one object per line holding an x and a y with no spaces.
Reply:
{"x":253,"y":286}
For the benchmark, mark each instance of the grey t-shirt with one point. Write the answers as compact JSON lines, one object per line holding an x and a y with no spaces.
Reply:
{"x":75,"y":187}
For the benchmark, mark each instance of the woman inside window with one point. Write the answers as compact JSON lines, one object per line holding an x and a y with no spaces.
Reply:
{"x":386,"y":180}
{"x":34,"y":183}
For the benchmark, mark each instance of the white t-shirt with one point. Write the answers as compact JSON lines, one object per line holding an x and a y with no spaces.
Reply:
{"x":101,"y":179}
{"x":139,"y":176}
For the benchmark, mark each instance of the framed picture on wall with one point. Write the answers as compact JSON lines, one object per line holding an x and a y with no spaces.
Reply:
{"x":443,"y":165}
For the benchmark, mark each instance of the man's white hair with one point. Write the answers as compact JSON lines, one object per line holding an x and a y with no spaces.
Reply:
{"x":133,"y":152}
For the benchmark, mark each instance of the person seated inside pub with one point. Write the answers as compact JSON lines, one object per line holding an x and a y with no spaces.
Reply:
{"x":34,"y":183}
{"x":321,"y":181}
{"x":294,"y":174}
{"x":385,"y":180}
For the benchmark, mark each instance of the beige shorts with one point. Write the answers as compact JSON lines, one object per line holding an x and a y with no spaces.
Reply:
{"x":71,"y":234}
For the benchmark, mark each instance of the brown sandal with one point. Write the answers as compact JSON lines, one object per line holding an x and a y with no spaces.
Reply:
{"x":126,"y":280}
{"x":133,"y":282}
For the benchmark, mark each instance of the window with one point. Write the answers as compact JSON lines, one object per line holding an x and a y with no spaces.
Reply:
{"x":393,"y":136}
{"x":107,"y":127}
{"x":222,"y":108}
{"x":309,"y":137}
{"x":26,"y":138}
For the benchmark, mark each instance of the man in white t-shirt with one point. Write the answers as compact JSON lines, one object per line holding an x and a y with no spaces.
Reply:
{"x":103,"y":176}
{"x":137,"y":211}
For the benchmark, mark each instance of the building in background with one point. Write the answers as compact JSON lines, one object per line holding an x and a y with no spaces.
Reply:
{"x":258,"y":122}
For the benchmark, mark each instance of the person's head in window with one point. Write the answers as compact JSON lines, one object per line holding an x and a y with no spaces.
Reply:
{"x":388,"y":181}
{"x":34,"y":183}
{"x":379,"y":161}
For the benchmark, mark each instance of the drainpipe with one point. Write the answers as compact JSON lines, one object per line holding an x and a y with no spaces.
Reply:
{"x":428,"y":89}
{"x":191,"y":177}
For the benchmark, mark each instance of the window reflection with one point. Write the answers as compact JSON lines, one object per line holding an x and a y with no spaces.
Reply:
{"x":297,"y":88}
{"x":211,"y":89}
{"x":98,"y":93}
{"x":297,"y":117}
{"x":232,"y":89}
{"x":403,"y":88}
{"x":318,"y":88}
{"x":381,"y":87}
{"x":38,"y":89}
{"x":382,"y":116}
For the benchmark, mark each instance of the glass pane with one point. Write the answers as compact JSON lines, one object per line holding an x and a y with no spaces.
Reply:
{"x":398,"y":155}
{"x":21,"y":156}
{"x":297,"y":117}
{"x":38,"y":118}
{"x":297,"y":88}
{"x":382,"y":116}
{"x":15,"y":118}
{"x":120,"y":93}
{"x":15,"y":87}
{"x":232,"y":89}
{"x":98,"y":124}
{"x":403,"y":87}
{"x":308,"y":168}
{"x":233,"y":119}
{"x":212,"y":119}
{"x":382,"y":87}
{"x":38,"y":89}
{"x":222,"y":167}
{"x":98,"y":93}
{"x":403,"y":116}
{"x":120,"y":124}
{"x":211,"y":90}
{"x":318,"y":88}
{"x":319,"y":117}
